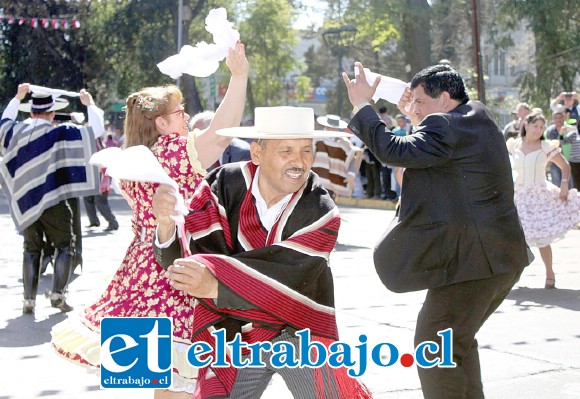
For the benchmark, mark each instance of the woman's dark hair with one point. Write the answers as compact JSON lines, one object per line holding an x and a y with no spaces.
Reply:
{"x":532,"y":117}
{"x":439,"y":78}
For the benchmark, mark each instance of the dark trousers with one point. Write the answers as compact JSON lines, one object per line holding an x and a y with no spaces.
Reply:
{"x":56,"y":222}
{"x":373,"y":173}
{"x":75,"y":207}
{"x":386,"y":173}
{"x":101,"y":203}
{"x":464,"y":307}
{"x":575,"y":166}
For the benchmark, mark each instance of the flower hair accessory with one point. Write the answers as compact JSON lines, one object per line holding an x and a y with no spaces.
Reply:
{"x":146,"y":104}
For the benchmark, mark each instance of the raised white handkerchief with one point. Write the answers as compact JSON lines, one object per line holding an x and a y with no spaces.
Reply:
{"x":389,"y":89}
{"x":203,"y":59}
{"x":54,"y":92}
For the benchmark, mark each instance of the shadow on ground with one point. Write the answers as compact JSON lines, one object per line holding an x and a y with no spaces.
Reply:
{"x":26,"y":330}
{"x":526,"y":298}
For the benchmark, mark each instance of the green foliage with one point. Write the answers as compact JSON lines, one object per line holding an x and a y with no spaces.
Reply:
{"x":269,"y":38}
{"x":556,"y":28}
{"x":46,"y":57}
{"x":302,"y":88}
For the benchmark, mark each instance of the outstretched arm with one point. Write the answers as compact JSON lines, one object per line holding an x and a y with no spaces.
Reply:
{"x":208,"y":144}
{"x":11,"y":111}
{"x":95,"y":114}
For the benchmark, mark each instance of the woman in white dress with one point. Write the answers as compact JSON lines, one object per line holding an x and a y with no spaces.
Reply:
{"x":547,"y":212}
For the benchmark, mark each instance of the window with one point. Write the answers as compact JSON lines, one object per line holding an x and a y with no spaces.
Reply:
{"x":502,"y":63}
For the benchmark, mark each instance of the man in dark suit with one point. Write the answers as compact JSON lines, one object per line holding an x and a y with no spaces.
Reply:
{"x":238,"y":149}
{"x":457,"y":232}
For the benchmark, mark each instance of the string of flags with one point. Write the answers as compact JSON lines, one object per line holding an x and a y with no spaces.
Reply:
{"x":54,"y":23}
{"x":46,"y":23}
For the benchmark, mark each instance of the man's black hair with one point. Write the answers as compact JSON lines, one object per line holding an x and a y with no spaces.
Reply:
{"x":439,"y":78}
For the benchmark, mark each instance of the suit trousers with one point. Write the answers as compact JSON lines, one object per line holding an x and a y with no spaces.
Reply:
{"x":464,"y":307}
{"x":252,"y":382}
{"x":373,"y":173}
{"x":101,"y":203}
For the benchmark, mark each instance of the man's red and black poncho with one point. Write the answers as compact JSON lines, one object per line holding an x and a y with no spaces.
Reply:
{"x":274,"y":280}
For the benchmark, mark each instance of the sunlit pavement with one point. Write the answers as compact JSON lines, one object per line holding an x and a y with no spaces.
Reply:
{"x":529,"y":348}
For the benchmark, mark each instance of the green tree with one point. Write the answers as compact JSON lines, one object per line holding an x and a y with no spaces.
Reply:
{"x":302,"y":88}
{"x":266,"y":29}
{"x":375,"y":44}
{"x":41,"y":56}
{"x":132,"y":37}
{"x":556,"y":29}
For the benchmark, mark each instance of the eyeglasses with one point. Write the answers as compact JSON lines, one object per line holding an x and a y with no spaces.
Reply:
{"x":181,"y":111}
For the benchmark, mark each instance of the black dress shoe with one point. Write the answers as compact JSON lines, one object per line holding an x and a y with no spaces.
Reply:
{"x":112,"y":227}
{"x":93,"y":225}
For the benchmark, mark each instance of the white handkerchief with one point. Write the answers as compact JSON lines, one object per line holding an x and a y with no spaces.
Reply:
{"x":203,"y":59}
{"x":54,"y":92}
{"x":389,"y":89}
{"x":137,"y":164}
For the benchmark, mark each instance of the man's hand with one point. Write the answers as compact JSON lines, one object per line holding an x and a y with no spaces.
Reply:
{"x":163,"y":207}
{"x":192,"y":277}
{"x":86,"y":98}
{"x":349,"y":180}
{"x":359,"y":91}
{"x":23,"y":90}
{"x":405,"y":106}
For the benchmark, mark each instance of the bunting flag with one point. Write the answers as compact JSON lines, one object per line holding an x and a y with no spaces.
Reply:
{"x":35,"y":22}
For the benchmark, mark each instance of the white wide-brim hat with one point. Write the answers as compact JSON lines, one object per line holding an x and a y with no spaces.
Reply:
{"x":43,"y":102}
{"x":332,"y":121}
{"x":273,"y":123}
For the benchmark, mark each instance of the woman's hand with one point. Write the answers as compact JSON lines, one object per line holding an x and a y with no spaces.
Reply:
{"x":163,"y":208}
{"x":237,"y":62}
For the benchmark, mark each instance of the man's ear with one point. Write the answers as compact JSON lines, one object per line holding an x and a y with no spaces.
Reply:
{"x":446,"y":101}
{"x":255,"y":151}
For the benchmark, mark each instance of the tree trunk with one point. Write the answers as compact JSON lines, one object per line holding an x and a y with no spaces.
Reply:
{"x":187,"y":82}
{"x":417,"y":36}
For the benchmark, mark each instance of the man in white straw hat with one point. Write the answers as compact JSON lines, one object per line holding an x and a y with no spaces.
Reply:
{"x":261,"y":233}
{"x":336,"y":159}
{"x":43,"y":166}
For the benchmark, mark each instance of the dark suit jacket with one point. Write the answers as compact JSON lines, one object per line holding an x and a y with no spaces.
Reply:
{"x":457,"y":220}
{"x":238,"y":150}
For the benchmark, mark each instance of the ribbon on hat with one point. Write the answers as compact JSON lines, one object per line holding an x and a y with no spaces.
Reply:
{"x":203,"y":59}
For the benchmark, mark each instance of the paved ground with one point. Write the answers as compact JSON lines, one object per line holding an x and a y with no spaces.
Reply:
{"x":529,"y":349}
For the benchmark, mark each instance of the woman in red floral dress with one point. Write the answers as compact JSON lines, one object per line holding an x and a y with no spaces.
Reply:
{"x":156,"y":118}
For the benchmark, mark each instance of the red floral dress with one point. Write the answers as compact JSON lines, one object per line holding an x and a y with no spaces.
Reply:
{"x":137,"y":288}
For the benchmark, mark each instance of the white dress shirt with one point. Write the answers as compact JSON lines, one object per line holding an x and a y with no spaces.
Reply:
{"x":268,"y":216}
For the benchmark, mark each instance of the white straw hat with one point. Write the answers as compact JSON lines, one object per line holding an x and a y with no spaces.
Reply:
{"x":332,"y":121}
{"x":43,"y":102}
{"x":281,"y":123}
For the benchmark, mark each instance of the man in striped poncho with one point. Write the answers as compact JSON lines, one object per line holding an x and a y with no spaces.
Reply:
{"x":336,"y":159}
{"x":261,"y":233}
{"x":43,"y":166}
